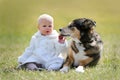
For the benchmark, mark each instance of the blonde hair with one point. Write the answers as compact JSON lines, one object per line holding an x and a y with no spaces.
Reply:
{"x":46,"y":17}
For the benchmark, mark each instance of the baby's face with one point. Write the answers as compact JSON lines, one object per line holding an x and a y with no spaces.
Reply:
{"x":45,"y":27}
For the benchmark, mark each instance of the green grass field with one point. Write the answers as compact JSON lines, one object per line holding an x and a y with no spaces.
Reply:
{"x":18,"y":22}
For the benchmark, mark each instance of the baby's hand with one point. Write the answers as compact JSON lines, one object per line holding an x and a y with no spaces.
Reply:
{"x":61,"y":39}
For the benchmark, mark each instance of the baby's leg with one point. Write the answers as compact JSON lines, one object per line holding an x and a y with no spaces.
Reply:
{"x":55,"y":66}
{"x":31,"y":66}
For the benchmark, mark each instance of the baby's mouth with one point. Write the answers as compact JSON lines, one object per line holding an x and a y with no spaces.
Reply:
{"x":47,"y":31}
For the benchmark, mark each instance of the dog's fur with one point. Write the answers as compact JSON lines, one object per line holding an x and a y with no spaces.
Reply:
{"x":86,"y":45}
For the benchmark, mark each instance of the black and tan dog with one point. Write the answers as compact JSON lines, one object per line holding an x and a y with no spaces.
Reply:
{"x":86,"y":45}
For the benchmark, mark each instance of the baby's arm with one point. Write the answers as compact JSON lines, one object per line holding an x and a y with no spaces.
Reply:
{"x":28,"y":51}
{"x":61,"y":45}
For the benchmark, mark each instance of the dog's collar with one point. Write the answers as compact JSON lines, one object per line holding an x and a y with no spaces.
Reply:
{"x":77,"y":41}
{"x":80,"y":43}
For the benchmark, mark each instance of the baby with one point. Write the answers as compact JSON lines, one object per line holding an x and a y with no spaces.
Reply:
{"x":45,"y":47}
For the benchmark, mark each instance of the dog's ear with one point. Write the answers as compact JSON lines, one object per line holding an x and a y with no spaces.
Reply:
{"x":88,"y":23}
{"x":79,"y":22}
{"x":84,"y":23}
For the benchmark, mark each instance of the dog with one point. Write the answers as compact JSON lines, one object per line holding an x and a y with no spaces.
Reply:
{"x":86,"y":45}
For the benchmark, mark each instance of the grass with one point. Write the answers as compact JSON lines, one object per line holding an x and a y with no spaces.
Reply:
{"x":18,"y":21}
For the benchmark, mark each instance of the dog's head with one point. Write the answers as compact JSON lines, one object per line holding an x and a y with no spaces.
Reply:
{"x":78,"y":27}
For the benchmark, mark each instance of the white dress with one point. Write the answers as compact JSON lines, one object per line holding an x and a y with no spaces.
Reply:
{"x":44,"y":50}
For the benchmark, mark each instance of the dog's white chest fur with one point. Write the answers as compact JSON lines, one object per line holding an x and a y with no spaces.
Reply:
{"x":79,"y":56}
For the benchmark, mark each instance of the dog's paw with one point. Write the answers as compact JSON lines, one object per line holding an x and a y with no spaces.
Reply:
{"x":64,"y":69}
{"x":79,"y":69}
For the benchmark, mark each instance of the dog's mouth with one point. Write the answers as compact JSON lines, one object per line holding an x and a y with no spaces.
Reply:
{"x":65,"y":35}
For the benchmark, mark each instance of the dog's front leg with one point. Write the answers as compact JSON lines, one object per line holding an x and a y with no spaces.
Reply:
{"x":82,"y":63}
{"x":67,"y":65}
{"x":68,"y":62}
{"x":64,"y":69}
{"x":79,"y":69}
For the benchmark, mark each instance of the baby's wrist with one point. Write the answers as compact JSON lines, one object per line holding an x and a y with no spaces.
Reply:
{"x":62,"y":42}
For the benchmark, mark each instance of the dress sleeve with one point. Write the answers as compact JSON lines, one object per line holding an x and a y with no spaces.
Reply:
{"x":61,"y":47}
{"x":28,"y":51}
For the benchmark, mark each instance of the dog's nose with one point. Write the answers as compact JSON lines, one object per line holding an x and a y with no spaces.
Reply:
{"x":60,"y":29}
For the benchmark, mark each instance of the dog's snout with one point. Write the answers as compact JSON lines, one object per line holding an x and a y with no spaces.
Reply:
{"x":60,"y":29}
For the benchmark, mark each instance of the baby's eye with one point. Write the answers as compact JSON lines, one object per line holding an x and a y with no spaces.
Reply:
{"x":49,"y":26}
{"x":44,"y":25}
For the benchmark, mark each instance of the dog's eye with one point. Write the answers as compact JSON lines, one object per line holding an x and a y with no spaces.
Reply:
{"x":72,"y":28}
